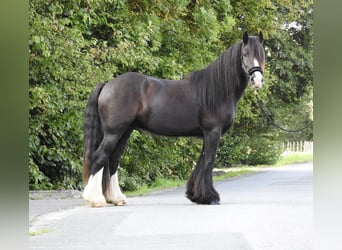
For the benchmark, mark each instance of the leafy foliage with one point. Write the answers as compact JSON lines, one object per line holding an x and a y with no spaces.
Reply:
{"x":150,"y":157}
{"x":75,"y":44}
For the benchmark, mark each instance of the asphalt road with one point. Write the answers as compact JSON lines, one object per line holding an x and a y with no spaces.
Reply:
{"x":268,"y":210}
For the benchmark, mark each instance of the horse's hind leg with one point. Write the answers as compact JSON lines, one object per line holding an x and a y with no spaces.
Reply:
{"x":93,"y":192}
{"x":112,"y":191}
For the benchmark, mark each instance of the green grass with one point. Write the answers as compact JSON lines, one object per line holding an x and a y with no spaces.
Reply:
{"x":230,"y":174}
{"x":40,"y":232}
{"x":294,"y":158}
{"x":158,"y":185}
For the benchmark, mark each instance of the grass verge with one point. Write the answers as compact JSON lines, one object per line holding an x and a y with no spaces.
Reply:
{"x":158,"y":185}
{"x":225,"y":173}
{"x":230,"y":174}
{"x":294,"y":158}
{"x":40,"y":232}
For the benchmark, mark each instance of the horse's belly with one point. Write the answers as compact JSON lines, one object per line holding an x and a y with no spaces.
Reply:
{"x":172,"y":124}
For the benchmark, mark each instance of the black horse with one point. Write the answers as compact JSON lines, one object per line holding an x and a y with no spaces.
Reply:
{"x":202,"y":105}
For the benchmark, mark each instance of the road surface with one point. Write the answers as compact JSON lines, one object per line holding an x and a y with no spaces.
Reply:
{"x":268,"y":210}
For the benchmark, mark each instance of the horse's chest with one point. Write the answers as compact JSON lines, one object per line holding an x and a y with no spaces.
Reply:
{"x":228,"y":121}
{"x":226,"y":128}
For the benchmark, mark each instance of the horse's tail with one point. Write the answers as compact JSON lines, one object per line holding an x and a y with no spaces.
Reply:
{"x":92,"y":130}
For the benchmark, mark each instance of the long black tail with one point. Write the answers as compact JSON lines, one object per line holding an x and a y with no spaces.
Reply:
{"x":92,"y":130}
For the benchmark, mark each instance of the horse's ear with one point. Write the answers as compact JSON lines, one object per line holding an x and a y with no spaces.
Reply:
{"x":261,"y":37}
{"x":245,"y":37}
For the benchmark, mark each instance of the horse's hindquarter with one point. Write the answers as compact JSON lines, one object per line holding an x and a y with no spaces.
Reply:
{"x":169,"y":108}
{"x":119,"y":101}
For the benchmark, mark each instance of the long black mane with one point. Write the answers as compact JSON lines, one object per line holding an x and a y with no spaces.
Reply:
{"x":222,"y":79}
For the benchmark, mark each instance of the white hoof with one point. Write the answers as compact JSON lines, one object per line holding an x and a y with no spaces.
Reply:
{"x":98,"y":203}
{"x":120,"y":203}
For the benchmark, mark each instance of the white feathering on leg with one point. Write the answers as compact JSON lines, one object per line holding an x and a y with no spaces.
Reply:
{"x":93,"y":190}
{"x":114,"y":194}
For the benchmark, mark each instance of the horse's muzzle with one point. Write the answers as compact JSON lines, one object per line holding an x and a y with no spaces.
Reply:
{"x":257,"y":80}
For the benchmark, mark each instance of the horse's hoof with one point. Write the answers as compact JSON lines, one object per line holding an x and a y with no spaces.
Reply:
{"x":215,"y":203}
{"x":120,"y":203}
{"x":98,"y":204}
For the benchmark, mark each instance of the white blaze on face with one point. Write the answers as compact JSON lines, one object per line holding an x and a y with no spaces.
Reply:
{"x":257,"y":77}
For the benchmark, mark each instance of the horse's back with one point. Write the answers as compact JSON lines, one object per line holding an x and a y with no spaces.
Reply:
{"x":122,"y":87}
{"x":169,"y":107}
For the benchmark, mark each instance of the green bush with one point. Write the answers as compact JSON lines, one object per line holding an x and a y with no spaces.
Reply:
{"x":149,"y":157}
{"x":252,"y":140}
{"x":231,"y":150}
{"x":263,"y":150}
{"x":249,"y":149}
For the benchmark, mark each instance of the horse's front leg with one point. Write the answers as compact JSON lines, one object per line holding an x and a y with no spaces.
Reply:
{"x":190,"y":187}
{"x":200,"y":187}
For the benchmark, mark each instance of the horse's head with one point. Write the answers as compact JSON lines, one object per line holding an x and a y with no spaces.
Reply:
{"x":253,"y":59}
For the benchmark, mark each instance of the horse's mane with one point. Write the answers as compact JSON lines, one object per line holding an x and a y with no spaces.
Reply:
{"x":220,"y":80}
